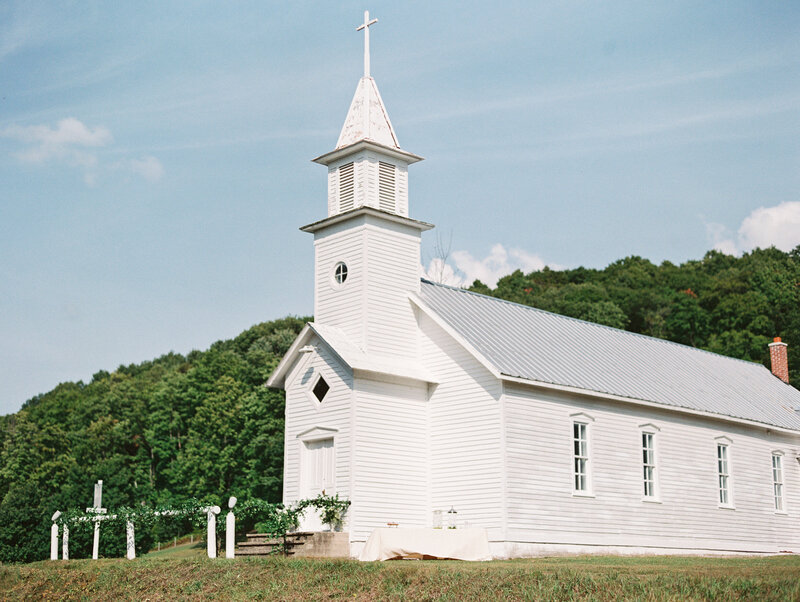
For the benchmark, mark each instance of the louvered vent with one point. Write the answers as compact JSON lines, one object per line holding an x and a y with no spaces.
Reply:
{"x":346,"y":187}
{"x":386,"y":186}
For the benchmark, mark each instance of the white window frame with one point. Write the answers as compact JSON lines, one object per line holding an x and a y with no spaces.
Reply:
{"x":332,"y":281}
{"x":724,"y":473}
{"x":778,"y":483}
{"x":651,"y":462}
{"x":582,"y":420}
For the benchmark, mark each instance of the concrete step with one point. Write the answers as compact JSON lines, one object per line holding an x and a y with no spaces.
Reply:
{"x":320,"y":544}
{"x":266,"y":539}
{"x":255,"y":551}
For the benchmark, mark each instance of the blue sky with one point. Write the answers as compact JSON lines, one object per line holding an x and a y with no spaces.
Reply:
{"x":155,"y":157}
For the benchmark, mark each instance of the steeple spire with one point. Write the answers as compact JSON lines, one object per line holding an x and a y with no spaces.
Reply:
{"x":365,"y":26}
{"x":367,"y":169}
{"x":367,"y":118}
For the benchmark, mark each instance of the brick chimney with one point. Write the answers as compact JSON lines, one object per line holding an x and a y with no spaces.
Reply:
{"x":779,"y":359}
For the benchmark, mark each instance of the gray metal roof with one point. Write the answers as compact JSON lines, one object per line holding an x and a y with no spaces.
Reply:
{"x":533,"y":344}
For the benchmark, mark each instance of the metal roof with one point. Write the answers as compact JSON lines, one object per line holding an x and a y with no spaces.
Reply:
{"x":532,"y":344}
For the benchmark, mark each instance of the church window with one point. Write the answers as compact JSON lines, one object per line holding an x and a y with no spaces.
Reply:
{"x":321,"y":389}
{"x":346,"y":187}
{"x":386,"y":186}
{"x":580,"y":442}
{"x":723,"y":474}
{"x":340,"y":273}
{"x":777,"y":481}
{"x":649,"y":464}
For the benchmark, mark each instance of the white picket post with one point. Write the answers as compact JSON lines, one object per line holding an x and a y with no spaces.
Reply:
{"x":131,"y":540}
{"x":230,"y":530}
{"x":96,"y":541}
{"x":97,"y":510}
{"x":65,"y":543}
{"x":99,"y":515}
{"x":54,"y":537}
{"x":212,"y":512}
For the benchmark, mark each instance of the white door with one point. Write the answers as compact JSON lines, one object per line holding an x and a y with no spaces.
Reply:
{"x":319,"y":472}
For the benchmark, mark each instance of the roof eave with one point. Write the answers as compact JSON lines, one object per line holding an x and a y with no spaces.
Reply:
{"x":644,"y":402}
{"x":335,"y":219}
{"x":278,"y":377}
{"x":366,"y":144}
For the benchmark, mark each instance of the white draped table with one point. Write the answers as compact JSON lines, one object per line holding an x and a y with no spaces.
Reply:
{"x":459,"y":544}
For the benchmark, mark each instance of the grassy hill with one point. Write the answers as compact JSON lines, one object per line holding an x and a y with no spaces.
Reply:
{"x":581,"y":578}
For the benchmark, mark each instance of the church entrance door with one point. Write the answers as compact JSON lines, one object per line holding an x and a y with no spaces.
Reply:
{"x":318,"y":475}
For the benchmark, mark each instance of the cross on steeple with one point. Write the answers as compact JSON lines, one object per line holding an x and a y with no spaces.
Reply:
{"x":365,"y":26}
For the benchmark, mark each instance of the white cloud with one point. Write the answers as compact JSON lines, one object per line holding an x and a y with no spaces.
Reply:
{"x":440,"y":271}
{"x":66,"y":141}
{"x":148,"y":167}
{"x":74,"y":143}
{"x":777,"y":226}
{"x":498,"y":263}
{"x":720,"y":238}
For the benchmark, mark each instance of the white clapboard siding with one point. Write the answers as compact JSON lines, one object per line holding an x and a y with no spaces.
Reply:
{"x":362,"y":180}
{"x":390,"y":473}
{"x":372,"y":307}
{"x":369,"y":170}
{"x":333,"y":190}
{"x":393,"y":262}
{"x":402,"y":189}
{"x":465,"y":433}
{"x":542,"y":508}
{"x":303,"y":413}
{"x":341,"y":306}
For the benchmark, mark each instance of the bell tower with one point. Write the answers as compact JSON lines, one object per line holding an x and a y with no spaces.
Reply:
{"x":367,"y":168}
{"x":367,"y":249}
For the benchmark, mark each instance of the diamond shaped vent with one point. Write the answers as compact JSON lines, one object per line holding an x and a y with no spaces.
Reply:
{"x":321,"y":389}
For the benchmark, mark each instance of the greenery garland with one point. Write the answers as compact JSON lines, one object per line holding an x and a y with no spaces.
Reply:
{"x":276,"y":520}
{"x":142,"y":516}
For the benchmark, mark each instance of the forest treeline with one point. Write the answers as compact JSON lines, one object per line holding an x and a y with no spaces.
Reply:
{"x":203,"y":425}
{"x":161,"y":432}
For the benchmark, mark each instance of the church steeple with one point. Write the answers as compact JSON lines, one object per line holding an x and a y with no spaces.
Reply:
{"x":367,"y":249}
{"x":367,"y":168}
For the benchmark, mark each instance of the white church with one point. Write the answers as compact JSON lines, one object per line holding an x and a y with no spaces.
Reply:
{"x":412,"y":398}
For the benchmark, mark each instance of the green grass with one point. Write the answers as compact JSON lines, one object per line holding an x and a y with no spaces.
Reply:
{"x":182,"y":550}
{"x":583,"y":577}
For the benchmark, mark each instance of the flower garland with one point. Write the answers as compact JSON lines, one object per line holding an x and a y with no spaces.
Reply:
{"x":275,"y":519}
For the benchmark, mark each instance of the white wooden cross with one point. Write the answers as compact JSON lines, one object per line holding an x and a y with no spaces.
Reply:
{"x":97,"y":510}
{"x":365,"y":26}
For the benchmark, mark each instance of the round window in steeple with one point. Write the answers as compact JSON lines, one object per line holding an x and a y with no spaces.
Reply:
{"x":340,"y":273}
